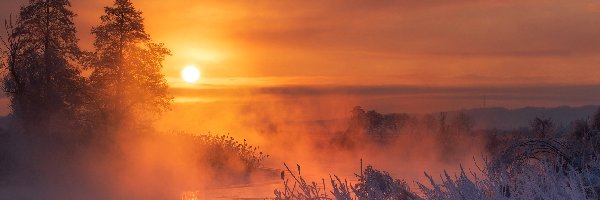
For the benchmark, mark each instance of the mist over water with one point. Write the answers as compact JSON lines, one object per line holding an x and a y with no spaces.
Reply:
{"x":324,"y":136}
{"x":279,"y":95}
{"x":319,"y":135}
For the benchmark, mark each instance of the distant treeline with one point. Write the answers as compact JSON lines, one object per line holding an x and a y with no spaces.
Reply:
{"x":454,"y":129}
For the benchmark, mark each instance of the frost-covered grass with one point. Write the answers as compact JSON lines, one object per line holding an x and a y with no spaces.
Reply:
{"x":543,"y":162}
{"x":528,"y":168}
{"x":372,"y":184}
{"x":543,"y":180}
{"x":533,"y":181}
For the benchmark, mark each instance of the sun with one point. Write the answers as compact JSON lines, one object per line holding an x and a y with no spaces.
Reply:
{"x":190,"y":74}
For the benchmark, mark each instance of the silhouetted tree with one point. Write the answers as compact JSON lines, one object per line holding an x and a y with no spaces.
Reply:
{"x":358,"y":120}
{"x":430,"y":121}
{"x":43,"y":82}
{"x":581,"y":129}
{"x":442,"y":123}
{"x":463,"y":123}
{"x":382,"y":128}
{"x":596,"y":120}
{"x":541,"y":127}
{"x":127,"y":67}
{"x":375,"y":126}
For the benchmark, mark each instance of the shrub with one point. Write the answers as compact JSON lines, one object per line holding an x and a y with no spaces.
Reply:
{"x":220,"y":151}
{"x":373,"y":184}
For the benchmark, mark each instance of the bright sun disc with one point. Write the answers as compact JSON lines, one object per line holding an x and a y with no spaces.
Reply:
{"x":190,"y":74}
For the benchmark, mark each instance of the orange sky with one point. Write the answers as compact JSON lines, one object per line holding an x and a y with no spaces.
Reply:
{"x":344,"y":47}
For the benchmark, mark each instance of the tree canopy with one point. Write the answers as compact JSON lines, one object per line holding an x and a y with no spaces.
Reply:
{"x":43,"y":65}
{"x":127,"y":67}
{"x":43,"y":79}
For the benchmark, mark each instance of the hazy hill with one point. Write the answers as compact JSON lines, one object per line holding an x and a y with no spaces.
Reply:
{"x":503,"y":118}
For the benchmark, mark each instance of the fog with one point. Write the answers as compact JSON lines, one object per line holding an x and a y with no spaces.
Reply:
{"x":175,"y":159}
{"x":100,"y":113}
{"x":316,"y":134}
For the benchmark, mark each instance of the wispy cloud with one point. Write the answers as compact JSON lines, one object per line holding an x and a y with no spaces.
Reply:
{"x":416,"y":98}
{"x":461,"y":49}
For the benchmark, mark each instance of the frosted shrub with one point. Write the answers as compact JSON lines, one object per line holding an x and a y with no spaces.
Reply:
{"x":373,"y":184}
{"x":376,"y":184}
{"x":530,"y":180}
{"x":528,"y":169}
{"x":219,"y":151}
{"x":461,"y":187}
{"x":548,"y":165}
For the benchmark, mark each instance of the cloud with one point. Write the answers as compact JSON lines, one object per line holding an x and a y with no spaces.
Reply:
{"x":407,"y":42}
{"x":408,"y":98}
{"x":366,"y":90}
{"x":420,"y":27}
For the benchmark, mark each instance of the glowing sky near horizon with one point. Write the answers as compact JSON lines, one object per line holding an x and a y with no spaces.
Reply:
{"x":437,"y":43}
